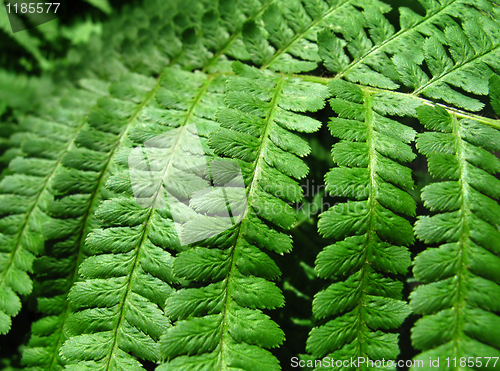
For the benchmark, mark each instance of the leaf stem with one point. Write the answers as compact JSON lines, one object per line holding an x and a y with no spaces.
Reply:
{"x":452,"y":110}
{"x":251,"y":189}
{"x":233,"y":38}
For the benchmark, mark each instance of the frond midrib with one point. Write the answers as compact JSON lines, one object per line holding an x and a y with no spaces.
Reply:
{"x":256,"y":173}
{"x":94,"y":200}
{"x":45,"y":187}
{"x":465,"y":235}
{"x":452,"y":110}
{"x":371,"y":204}
{"x":198,"y":98}
{"x":394,"y":37}
{"x":300,"y":35}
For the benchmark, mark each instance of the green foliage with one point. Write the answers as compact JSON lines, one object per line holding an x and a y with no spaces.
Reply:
{"x":23,"y":93}
{"x":159,"y":168}
{"x":369,"y":40}
{"x":227,"y":327}
{"x":461,"y":275}
{"x":27,"y":192}
{"x":27,"y":41}
{"x":286,"y":42}
{"x":372,"y":237}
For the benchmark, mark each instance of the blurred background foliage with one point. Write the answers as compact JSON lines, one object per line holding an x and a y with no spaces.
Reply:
{"x":38,"y":62}
{"x":37,"y":49}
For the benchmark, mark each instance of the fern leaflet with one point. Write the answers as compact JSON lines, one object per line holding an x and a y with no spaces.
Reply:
{"x":26,"y":193}
{"x":129,"y":251}
{"x":221,"y":325}
{"x":371,"y":49}
{"x":365,"y":297}
{"x":287,"y":40}
{"x":461,"y":282}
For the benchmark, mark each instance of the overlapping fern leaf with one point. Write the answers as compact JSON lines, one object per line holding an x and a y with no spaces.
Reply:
{"x":7,"y":152}
{"x":459,"y":297}
{"x":19,"y":95}
{"x":130,"y":109}
{"x":363,"y":53}
{"x":78,"y":184}
{"x":43,"y":143}
{"x":23,"y":94}
{"x":221,"y":324}
{"x":127,"y":280}
{"x":27,"y":192}
{"x":37,"y":150}
{"x":285,"y":39}
{"x":365,"y":301}
{"x":92,"y":159}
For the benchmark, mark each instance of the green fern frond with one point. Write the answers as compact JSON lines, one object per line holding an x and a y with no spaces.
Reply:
{"x":200,"y":38}
{"x":161,"y":209}
{"x":39,"y":146}
{"x":24,"y":94}
{"x":70,"y":215}
{"x":26,"y":193}
{"x":369,"y":40}
{"x":20,"y":95}
{"x":461,"y":279}
{"x":7,"y":129}
{"x":47,"y":146}
{"x":221,"y":324}
{"x":372,"y":233}
{"x":78,"y":184}
{"x":287,"y":40}
{"x":472,"y":48}
{"x":129,"y":112}
{"x":222,"y":28}
{"x":129,"y":251}
{"x":218,"y":39}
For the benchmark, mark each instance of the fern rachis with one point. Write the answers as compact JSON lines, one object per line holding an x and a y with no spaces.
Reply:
{"x":35,"y":193}
{"x":452,"y":297}
{"x":369,"y":228}
{"x":244,"y":287}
